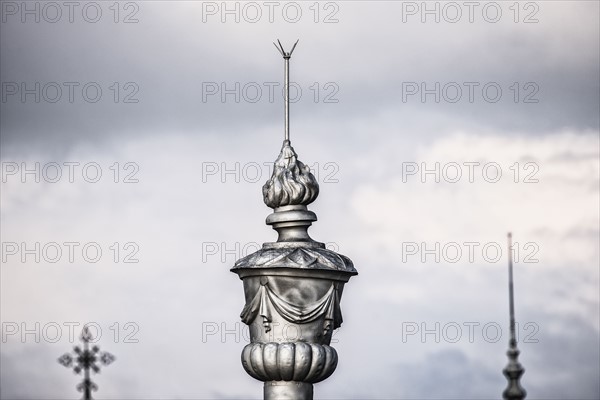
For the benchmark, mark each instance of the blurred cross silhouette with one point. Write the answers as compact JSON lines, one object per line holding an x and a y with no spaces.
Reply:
{"x":85,"y":360}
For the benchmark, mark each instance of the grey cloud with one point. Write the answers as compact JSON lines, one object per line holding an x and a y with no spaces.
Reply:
{"x":169,"y":62}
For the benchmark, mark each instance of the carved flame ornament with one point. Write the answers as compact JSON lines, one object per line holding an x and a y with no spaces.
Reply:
{"x":293,"y":287}
{"x":292,"y":183}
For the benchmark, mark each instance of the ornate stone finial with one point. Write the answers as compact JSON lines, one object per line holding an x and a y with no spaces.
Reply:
{"x":293,"y":287}
{"x":514,"y":370}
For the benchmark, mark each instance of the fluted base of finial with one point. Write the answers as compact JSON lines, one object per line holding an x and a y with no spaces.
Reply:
{"x":282,"y":390}
{"x":291,"y":223}
{"x":293,"y":362}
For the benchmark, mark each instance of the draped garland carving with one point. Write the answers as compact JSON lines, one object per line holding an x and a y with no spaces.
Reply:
{"x":266,"y":300}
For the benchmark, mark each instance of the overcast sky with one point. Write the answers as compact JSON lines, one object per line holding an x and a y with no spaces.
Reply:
{"x":148,"y":129}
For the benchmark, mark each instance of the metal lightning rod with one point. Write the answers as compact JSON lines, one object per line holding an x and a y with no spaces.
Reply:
{"x":286,"y":84}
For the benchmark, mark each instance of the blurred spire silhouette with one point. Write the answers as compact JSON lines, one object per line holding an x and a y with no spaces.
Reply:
{"x":85,"y":360}
{"x":514,"y":370}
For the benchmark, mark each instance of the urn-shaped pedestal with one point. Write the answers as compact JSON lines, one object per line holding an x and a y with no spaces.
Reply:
{"x":293,"y":288}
